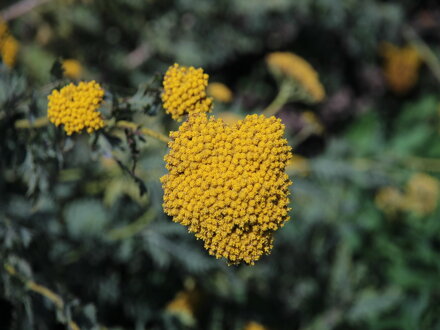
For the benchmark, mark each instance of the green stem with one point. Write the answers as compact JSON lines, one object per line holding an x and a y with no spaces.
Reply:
{"x":133,"y":228}
{"x":281,"y":99}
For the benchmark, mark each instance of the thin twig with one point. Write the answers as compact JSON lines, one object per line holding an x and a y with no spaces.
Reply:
{"x":41,"y":290}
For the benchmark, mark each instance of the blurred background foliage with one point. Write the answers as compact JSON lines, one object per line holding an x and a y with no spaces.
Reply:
{"x":84,"y":242}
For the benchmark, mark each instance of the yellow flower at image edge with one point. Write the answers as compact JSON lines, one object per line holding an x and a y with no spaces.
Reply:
{"x":228,"y":184}
{"x":76,"y":107}
{"x":294,"y":67}
{"x":8,"y":46}
{"x":185,"y":91}
{"x":252,"y":325}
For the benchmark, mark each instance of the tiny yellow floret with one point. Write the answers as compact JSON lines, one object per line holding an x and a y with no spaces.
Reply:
{"x":8,"y":46}
{"x":72,"y":69}
{"x":228,"y":184}
{"x":295,"y":67}
{"x":76,"y":107}
{"x":220,"y":92}
{"x":185,"y":91}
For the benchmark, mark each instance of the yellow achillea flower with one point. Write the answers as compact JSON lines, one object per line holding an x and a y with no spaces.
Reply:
{"x":8,"y":46}
{"x":294,"y":67}
{"x":389,"y":200}
{"x":252,"y":325}
{"x":228,"y":184}
{"x":422,"y":193}
{"x":185,"y":91}
{"x":72,"y":68}
{"x":401,"y":67}
{"x":220,"y":92}
{"x":76,"y":107}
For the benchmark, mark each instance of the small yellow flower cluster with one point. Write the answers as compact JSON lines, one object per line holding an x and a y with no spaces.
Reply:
{"x":294,"y":67}
{"x":421,"y":196}
{"x":8,"y":46}
{"x":185,"y":91}
{"x":72,"y":69}
{"x":220,"y":92}
{"x":401,"y":67}
{"x":76,"y":107}
{"x":228,"y":183}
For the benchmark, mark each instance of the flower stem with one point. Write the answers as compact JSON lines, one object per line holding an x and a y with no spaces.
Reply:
{"x":282,"y":98}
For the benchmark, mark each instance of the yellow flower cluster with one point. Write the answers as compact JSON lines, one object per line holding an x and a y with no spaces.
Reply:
{"x":228,"y":184}
{"x":294,"y":67}
{"x":75,"y":107}
{"x":72,"y":68}
{"x":401,"y":67}
{"x":421,"y":196}
{"x":185,"y":91}
{"x":8,"y":46}
{"x":220,"y":92}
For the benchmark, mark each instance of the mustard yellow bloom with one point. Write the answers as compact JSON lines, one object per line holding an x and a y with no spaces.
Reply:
{"x":292,"y":66}
{"x":252,"y":325}
{"x":72,"y":69}
{"x":76,"y":107}
{"x":8,"y":46}
{"x":220,"y":92}
{"x":389,"y":200}
{"x":228,"y":184}
{"x":401,"y":67}
{"x":422,"y":194}
{"x":185,"y":91}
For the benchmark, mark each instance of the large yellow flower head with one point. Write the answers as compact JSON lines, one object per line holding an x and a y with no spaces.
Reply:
{"x":8,"y":46}
{"x":185,"y":91}
{"x":76,"y":107}
{"x":291,"y":66}
{"x":228,"y":184}
{"x":401,"y":67}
